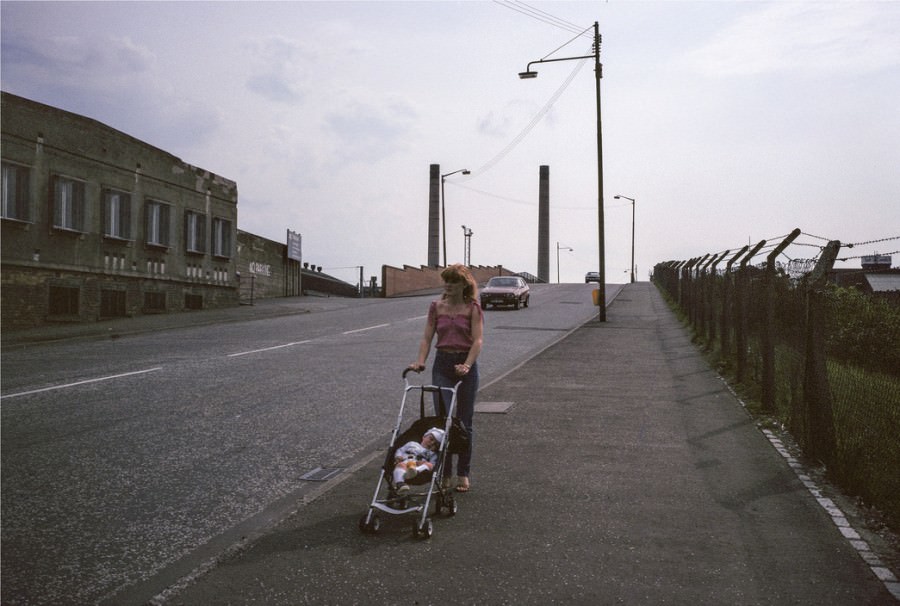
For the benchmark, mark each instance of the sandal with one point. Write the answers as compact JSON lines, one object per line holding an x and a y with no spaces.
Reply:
{"x":462,"y":484}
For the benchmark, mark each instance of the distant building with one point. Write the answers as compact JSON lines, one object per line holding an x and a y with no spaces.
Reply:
{"x":876,"y":262}
{"x":97,"y":224}
{"x":876,"y":278}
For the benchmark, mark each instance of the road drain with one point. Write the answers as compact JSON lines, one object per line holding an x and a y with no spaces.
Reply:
{"x":494,"y":407}
{"x":320,"y":474}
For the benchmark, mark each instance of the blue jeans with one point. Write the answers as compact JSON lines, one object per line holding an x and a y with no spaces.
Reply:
{"x":444,"y":375}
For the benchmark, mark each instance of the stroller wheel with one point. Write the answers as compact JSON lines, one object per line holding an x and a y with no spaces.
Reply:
{"x":425,"y":530}
{"x":369,"y":527}
{"x":452,"y":506}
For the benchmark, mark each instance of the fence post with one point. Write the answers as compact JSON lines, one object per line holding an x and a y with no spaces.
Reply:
{"x":684,"y":293}
{"x":713,"y":297}
{"x":697,"y":291}
{"x":768,"y":341}
{"x":705,"y":296}
{"x":816,"y":390}
{"x":741,"y":311}
{"x":726,"y":316}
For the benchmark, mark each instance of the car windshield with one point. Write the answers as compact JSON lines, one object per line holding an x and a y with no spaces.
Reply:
{"x":503,"y":282}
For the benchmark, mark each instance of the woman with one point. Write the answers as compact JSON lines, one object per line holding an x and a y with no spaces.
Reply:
{"x":457,"y":321}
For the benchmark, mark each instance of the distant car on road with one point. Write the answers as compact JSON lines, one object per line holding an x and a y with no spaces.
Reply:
{"x":505,"y":291}
{"x":592,"y":276}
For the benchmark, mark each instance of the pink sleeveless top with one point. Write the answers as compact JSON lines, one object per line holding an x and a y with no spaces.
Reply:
{"x":453,"y":332}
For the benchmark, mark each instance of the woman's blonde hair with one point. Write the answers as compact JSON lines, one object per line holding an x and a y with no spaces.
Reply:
{"x":460,"y":273}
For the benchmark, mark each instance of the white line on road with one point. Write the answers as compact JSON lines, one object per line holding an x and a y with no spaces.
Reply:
{"x":86,"y":381}
{"x":244,"y":353}
{"x":350,"y":332}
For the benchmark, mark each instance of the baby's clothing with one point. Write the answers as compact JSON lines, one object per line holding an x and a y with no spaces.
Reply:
{"x":412,"y":455}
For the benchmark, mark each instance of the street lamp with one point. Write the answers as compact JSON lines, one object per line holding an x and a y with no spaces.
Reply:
{"x":598,"y":73}
{"x":558,"y":248}
{"x":467,"y":246}
{"x":464,"y":171}
{"x":632,"y":233}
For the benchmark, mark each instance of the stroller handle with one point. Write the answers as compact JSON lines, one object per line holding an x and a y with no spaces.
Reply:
{"x":410,"y":369}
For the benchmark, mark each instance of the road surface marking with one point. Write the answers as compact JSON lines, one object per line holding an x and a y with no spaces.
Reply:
{"x":86,"y":381}
{"x":350,"y":332}
{"x":244,"y":353}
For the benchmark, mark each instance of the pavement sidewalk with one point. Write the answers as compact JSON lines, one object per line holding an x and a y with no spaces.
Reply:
{"x":624,"y":472}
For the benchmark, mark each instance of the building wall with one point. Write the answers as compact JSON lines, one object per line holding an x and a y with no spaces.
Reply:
{"x":398,"y":282}
{"x":264,"y":269}
{"x":70,"y":254}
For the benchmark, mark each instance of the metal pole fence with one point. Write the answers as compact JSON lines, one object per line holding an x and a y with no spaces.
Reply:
{"x":823,"y":360}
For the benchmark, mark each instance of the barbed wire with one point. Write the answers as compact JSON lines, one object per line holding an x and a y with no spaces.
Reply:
{"x":798,"y":265}
{"x":896,"y":252}
{"x":872,"y":241}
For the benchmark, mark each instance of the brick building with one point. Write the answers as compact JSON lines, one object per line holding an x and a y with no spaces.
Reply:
{"x":97,"y":224}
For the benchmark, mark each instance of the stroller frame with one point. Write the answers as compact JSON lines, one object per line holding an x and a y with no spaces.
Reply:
{"x":414,"y":502}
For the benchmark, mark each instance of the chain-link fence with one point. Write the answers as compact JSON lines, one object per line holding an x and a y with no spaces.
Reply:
{"x":823,"y":360}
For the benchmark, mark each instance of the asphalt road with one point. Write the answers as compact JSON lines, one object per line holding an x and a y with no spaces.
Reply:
{"x":127,"y":461}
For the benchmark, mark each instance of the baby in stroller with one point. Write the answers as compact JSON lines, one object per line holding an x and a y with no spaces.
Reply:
{"x":414,"y":458}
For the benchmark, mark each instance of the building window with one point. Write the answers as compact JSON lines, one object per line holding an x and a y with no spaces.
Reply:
{"x":193,"y":301}
{"x":16,"y":180}
{"x":68,"y":204}
{"x":194,"y":232}
{"x":154,"y":301}
{"x":63,"y":301}
{"x":221,"y":238}
{"x":112,"y":303}
{"x":116,"y":214}
{"x":157,"y":226}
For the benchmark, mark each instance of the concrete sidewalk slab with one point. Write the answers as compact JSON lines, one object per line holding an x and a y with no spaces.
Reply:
{"x":624,"y":473}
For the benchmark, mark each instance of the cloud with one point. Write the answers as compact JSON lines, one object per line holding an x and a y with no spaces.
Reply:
{"x":111,"y":79}
{"x":80,"y":63}
{"x":828,"y":38}
{"x":279,"y":69}
{"x":370,"y":129}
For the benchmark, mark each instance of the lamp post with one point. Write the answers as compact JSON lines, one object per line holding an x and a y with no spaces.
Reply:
{"x":464,"y":171}
{"x":632,"y":233}
{"x":558,"y":248}
{"x":467,"y":246}
{"x":598,"y":73}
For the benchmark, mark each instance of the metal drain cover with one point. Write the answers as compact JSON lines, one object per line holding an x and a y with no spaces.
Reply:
{"x":494,"y":407}
{"x":320,"y":474}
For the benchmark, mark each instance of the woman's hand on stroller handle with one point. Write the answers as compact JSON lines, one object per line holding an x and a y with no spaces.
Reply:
{"x":414,"y":368}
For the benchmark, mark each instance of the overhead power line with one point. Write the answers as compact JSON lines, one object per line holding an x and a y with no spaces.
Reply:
{"x":543,"y":16}
{"x":534,"y":122}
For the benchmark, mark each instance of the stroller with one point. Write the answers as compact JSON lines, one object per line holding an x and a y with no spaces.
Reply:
{"x":426,"y":486}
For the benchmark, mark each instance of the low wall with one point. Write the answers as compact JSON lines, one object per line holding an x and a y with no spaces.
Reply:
{"x":408,"y":280}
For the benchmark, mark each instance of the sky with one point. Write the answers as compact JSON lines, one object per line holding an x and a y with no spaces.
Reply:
{"x":727,"y":122}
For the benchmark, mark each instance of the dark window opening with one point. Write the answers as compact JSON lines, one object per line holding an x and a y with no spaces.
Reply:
{"x":193,"y":301}
{"x":64,"y":300}
{"x":112,"y":303}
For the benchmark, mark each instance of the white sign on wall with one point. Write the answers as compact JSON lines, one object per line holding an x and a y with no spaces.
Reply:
{"x":294,"y":250}
{"x":262,"y":269}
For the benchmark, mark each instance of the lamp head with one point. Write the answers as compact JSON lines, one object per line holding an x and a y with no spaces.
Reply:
{"x":466,"y":171}
{"x":527,"y":74}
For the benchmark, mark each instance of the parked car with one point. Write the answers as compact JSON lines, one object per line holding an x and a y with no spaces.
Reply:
{"x":592,"y":276}
{"x":505,"y":291}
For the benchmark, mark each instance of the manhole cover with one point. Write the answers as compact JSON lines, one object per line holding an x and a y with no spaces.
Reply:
{"x":493,"y":407}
